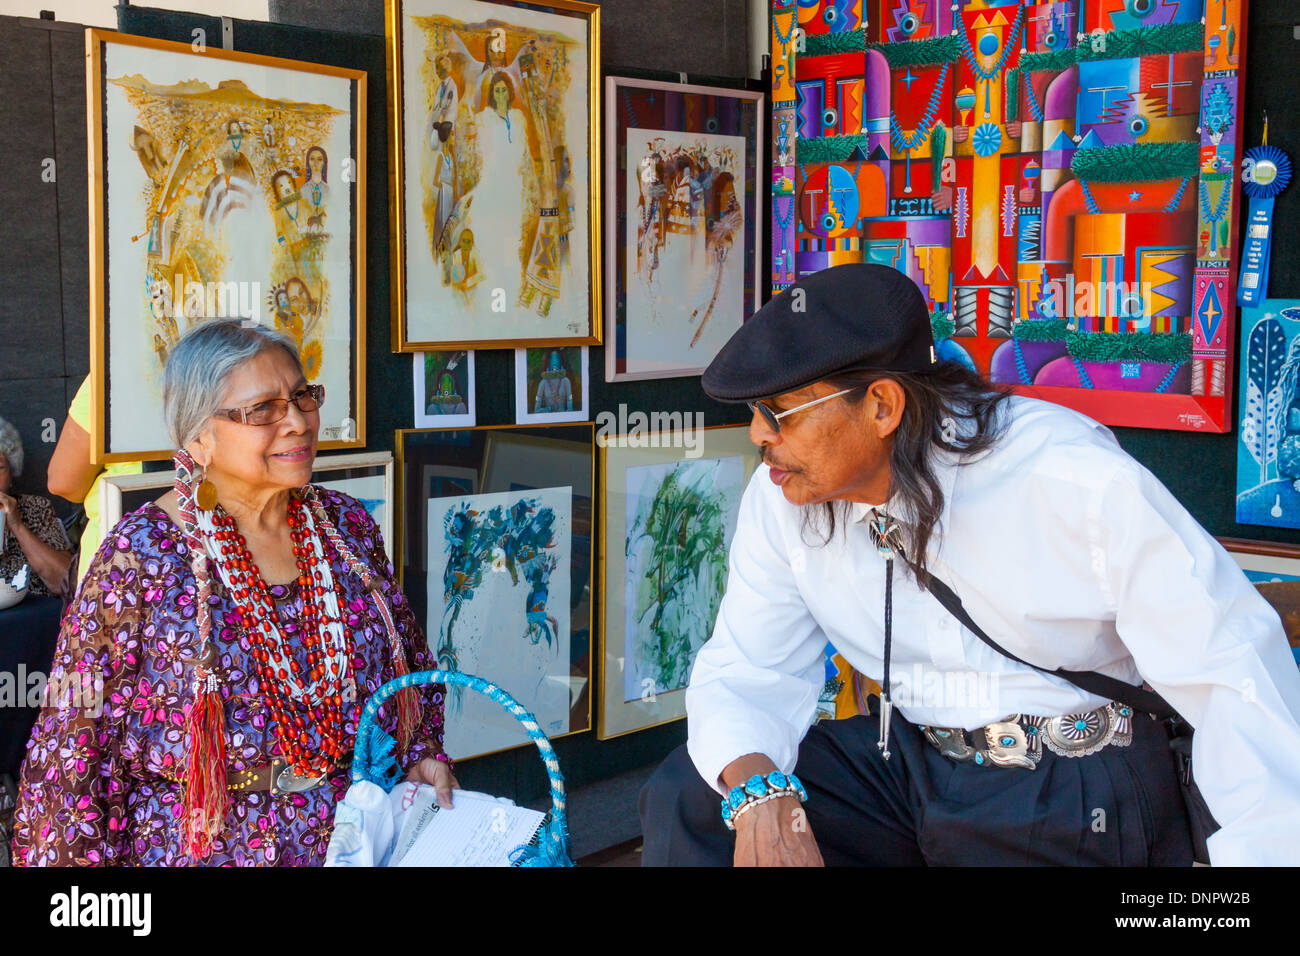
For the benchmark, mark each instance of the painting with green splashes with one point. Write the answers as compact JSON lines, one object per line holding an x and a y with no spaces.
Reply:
{"x":680,"y":520}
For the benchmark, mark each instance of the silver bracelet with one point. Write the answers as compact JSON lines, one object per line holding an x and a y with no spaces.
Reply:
{"x":754,"y":803}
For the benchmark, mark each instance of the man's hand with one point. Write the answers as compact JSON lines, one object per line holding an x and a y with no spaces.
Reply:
{"x":775,"y":833}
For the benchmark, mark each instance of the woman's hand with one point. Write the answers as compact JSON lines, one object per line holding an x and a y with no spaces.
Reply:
{"x":13,"y":514}
{"x":438,"y":775}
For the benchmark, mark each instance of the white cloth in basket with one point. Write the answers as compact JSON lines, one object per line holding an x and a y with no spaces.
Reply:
{"x":367,"y":821}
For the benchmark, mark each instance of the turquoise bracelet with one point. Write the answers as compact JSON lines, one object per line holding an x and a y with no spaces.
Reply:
{"x":760,"y":789}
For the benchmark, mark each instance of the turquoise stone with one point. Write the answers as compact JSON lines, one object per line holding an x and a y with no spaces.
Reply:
{"x":979,"y":758}
{"x":1080,"y":725}
{"x":756,"y":786}
{"x":726,"y":810}
{"x":737,"y":797}
{"x":798,"y":787}
{"x":777,"y":780}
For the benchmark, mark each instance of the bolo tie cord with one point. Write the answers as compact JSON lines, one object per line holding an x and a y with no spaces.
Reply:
{"x":886,"y":534}
{"x":887,"y":706}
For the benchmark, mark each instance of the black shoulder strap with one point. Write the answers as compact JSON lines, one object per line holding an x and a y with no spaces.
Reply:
{"x":1112,"y":688}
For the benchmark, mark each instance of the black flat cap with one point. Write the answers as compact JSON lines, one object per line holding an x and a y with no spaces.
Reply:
{"x":853,"y":316}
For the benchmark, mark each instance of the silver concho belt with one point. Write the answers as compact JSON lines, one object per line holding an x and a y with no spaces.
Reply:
{"x":1019,"y":740}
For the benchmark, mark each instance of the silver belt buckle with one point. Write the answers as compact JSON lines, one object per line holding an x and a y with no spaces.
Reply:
{"x":284,"y":779}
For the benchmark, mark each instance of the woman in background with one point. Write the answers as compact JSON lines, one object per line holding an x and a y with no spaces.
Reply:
{"x":32,"y":533}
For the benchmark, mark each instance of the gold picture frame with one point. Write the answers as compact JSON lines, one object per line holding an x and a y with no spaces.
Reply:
{"x":488,"y":461}
{"x":457,"y":282}
{"x":616,"y":714}
{"x":211,"y":180}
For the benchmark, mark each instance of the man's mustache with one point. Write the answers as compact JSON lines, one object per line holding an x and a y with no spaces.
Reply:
{"x":766,"y":457}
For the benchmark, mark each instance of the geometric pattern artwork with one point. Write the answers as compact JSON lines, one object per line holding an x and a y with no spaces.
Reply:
{"x":1058,"y":178}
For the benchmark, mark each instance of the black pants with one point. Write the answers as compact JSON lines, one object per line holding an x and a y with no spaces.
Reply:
{"x":1121,"y":806}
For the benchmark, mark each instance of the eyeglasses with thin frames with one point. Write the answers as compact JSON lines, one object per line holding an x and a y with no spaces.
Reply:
{"x":773,"y":419}
{"x":308,"y":399}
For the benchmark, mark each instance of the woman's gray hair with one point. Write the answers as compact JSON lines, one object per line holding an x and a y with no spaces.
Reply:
{"x":201,"y":362}
{"x":11,"y":446}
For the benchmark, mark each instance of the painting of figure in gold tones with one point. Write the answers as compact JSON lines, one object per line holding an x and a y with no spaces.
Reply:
{"x":237,"y":193}
{"x":494,"y":159}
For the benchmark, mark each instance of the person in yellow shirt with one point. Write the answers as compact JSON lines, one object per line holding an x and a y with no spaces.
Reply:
{"x":72,"y":476}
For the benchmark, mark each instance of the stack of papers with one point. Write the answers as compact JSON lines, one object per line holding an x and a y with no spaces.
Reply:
{"x":479,"y":830}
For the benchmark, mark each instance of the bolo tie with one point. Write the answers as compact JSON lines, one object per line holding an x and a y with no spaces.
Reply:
{"x":887,"y":535}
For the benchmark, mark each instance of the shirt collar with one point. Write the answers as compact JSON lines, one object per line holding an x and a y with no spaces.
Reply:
{"x":946,"y":464}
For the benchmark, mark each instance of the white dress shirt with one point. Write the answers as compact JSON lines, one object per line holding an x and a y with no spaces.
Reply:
{"x":1069,"y":554}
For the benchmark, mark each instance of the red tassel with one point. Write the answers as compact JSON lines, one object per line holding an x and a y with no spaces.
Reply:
{"x":206,"y":798}
{"x":408,"y":704}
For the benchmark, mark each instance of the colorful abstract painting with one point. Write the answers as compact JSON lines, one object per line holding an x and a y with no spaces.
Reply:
{"x":494,"y":101}
{"x":1268,"y":441}
{"x":680,"y":521}
{"x":1058,"y":178}
{"x":682,"y":224}
{"x":229,"y":191}
{"x":499,"y":589}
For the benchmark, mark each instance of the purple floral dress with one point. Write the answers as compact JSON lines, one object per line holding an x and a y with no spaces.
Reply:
{"x":103,"y":779}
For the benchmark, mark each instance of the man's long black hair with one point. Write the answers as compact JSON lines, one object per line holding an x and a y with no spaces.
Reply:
{"x":950,"y":408}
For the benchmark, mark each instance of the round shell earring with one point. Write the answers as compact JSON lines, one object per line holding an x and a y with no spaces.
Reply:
{"x":205,"y":496}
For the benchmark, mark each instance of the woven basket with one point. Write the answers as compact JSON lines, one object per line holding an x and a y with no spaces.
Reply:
{"x":373,"y":758}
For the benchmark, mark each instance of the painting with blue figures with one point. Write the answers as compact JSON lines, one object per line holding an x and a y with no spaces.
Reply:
{"x":1268,"y":442}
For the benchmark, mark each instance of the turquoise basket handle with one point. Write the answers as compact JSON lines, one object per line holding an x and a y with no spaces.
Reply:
{"x":373,"y":759}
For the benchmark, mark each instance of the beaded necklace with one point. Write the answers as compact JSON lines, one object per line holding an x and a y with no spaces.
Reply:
{"x":289,"y":691}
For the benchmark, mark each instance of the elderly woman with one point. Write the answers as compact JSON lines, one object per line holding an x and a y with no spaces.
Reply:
{"x":237,"y":626}
{"x":32,"y":534}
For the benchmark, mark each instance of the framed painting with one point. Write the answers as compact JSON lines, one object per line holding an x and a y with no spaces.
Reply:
{"x":497,"y":560}
{"x":1058,"y":178}
{"x":495,"y":173}
{"x":223,"y":185}
{"x":1268,"y":442}
{"x":681,"y":223}
{"x":669,"y":512}
{"x":552,"y":385}
{"x":444,"y":387}
{"x":366,"y":476}
{"x":1268,"y":562}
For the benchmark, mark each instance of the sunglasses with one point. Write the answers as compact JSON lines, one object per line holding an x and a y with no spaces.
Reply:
{"x":308,"y":399}
{"x":773,"y":419}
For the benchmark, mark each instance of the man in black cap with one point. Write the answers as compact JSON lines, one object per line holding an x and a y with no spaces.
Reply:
{"x":1033,"y":556}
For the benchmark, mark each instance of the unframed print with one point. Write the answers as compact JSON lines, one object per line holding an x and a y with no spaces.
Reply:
{"x":685,"y":247}
{"x":551,"y":385}
{"x":495,"y":112}
{"x":501,"y":563}
{"x":681,"y":517}
{"x":444,"y":386}
{"x":228,"y":192}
